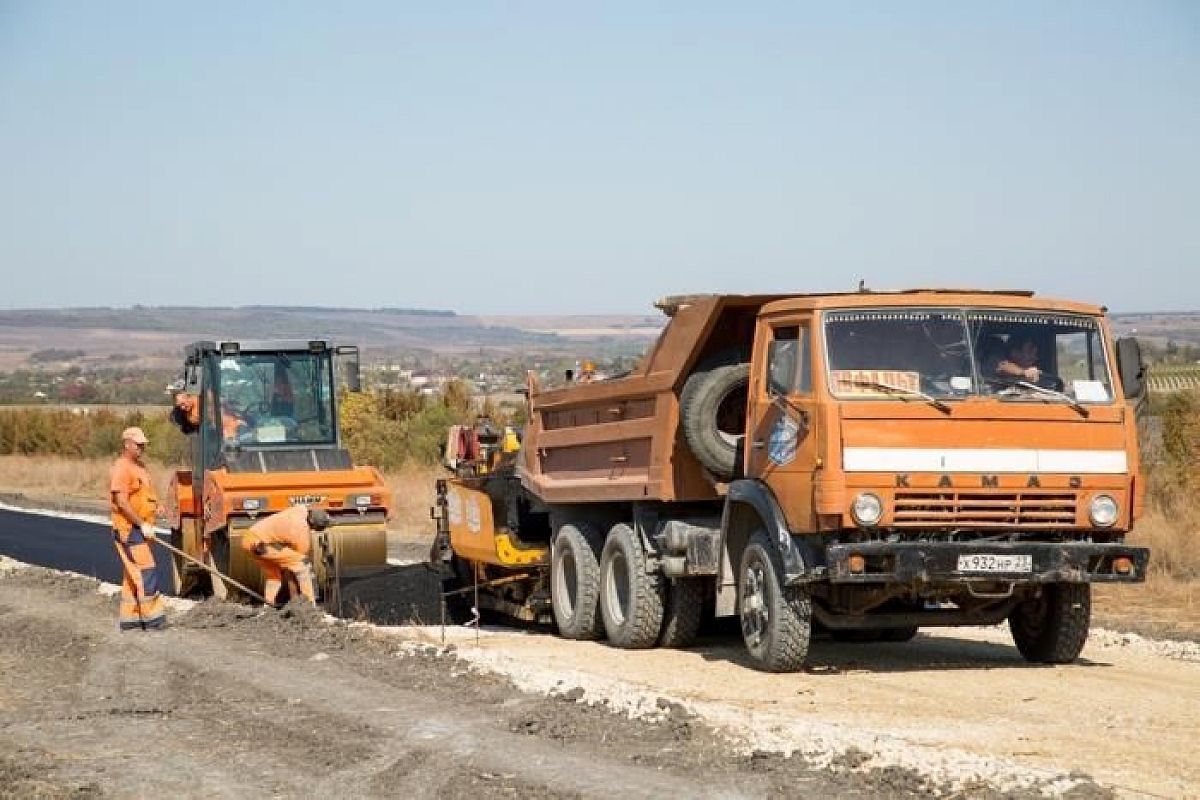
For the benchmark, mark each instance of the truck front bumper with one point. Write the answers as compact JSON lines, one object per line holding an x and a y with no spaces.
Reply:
{"x":918,"y":563}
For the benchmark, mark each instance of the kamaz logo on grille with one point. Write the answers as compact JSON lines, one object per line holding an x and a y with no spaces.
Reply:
{"x":306,"y":499}
{"x":986,"y":482}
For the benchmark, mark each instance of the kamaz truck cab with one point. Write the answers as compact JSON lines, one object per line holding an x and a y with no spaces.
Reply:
{"x":264,"y":436}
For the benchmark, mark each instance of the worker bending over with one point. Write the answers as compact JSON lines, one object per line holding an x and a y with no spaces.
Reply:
{"x":133,"y":503}
{"x":281,"y":542}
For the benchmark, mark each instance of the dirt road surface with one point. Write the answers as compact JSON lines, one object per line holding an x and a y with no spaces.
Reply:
{"x":955,"y":704}
{"x":237,"y":700}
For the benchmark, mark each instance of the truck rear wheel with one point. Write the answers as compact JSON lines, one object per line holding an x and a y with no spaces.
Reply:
{"x":776,"y":619}
{"x":631,"y":601}
{"x":684,"y":608}
{"x":1052,"y":628}
{"x":712,"y":412}
{"x":575,"y":581}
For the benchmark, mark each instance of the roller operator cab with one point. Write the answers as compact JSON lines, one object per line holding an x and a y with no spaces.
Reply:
{"x":264,"y":435}
{"x":860,"y":464}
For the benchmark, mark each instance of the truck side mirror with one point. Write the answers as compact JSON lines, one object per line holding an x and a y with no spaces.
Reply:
{"x":1130,"y":367}
{"x":347,"y":356}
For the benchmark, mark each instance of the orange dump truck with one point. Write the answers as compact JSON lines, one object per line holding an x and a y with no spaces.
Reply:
{"x":865,"y":464}
{"x":264,"y":435}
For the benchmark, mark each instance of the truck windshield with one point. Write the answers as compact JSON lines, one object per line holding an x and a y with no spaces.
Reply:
{"x":954,"y":353}
{"x":277,"y":398}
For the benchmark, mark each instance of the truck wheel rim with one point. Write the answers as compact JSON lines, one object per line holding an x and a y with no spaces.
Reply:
{"x":754,"y":606}
{"x":567,"y":582}
{"x":616,"y":589}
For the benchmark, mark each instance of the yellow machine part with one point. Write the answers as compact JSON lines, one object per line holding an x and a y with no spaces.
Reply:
{"x":354,"y":548}
{"x":475,"y":537}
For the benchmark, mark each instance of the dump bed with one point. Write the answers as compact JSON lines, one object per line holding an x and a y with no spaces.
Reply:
{"x":619,"y":439}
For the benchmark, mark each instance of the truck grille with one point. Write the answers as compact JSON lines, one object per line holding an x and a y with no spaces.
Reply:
{"x":981,"y":510}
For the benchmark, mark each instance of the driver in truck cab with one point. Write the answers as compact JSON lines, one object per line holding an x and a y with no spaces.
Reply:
{"x":1021,"y":361}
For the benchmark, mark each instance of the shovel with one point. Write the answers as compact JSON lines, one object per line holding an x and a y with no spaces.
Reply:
{"x":202,"y":565}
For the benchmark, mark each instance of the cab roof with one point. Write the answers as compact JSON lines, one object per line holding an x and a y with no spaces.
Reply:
{"x":986,"y":298}
{"x":230,"y":346}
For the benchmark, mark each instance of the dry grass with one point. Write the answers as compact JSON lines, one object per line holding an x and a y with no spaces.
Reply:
{"x":413,"y":494}
{"x":1161,"y":607}
{"x":66,"y":478}
{"x":1168,"y":603}
{"x":1172,"y":538}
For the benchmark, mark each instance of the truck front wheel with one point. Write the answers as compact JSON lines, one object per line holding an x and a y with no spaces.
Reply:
{"x":631,"y":600}
{"x":776,"y":619}
{"x":1053,"y":627}
{"x":575,"y":581}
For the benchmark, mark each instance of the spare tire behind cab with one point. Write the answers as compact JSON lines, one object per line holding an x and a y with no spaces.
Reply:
{"x":712,"y":410}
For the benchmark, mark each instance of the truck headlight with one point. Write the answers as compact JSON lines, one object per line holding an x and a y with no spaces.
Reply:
{"x":359,"y":500}
{"x":1103,"y":511}
{"x":867,"y":509}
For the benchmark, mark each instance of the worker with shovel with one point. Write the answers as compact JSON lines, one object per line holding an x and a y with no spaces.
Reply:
{"x":281,"y":542}
{"x":133,"y":503}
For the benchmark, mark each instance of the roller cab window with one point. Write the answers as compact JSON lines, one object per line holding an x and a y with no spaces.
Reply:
{"x":276,"y":399}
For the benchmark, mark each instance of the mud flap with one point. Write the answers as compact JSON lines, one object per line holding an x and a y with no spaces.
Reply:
{"x":795,"y":558}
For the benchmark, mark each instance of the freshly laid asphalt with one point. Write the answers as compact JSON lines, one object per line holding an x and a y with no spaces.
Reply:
{"x":70,"y":544}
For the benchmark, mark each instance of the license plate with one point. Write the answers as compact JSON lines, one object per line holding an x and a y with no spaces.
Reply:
{"x":992,"y":562}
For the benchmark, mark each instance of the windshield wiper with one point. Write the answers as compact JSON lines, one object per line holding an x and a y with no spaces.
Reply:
{"x":905,"y":394}
{"x":1071,"y":401}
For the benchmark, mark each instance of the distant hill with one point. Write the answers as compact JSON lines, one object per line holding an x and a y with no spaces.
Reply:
{"x":154,"y":336}
{"x":1161,"y":327}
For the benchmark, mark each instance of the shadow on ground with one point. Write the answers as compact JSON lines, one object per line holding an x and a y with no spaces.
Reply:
{"x":722,"y":642}
{"x":410,"y":595}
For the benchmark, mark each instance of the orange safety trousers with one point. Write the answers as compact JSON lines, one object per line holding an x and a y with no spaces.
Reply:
{"x":275,"y":559}
{"x":141,"y":604}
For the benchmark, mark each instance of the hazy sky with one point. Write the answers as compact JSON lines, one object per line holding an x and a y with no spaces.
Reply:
{"x":556,"y":157}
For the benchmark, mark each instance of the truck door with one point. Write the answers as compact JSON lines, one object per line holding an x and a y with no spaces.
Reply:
{"x":782,"y":449}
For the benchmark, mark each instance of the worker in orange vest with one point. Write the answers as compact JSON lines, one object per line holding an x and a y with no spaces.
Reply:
{"x":133,"y":503}
{"x":185,"y":411}
{"x":281,"y":542}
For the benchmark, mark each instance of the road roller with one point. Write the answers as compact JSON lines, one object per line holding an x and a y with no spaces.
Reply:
{"x":262,"y":424}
